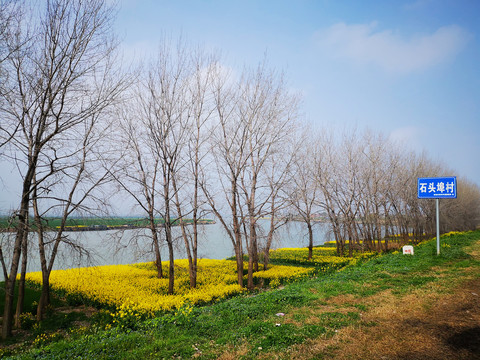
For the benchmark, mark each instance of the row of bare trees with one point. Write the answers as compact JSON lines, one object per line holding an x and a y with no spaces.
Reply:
{"x":366,"y":186}
{"x":199,"y":139}
{"x":183,"y":137}
{"x":163,"y":130}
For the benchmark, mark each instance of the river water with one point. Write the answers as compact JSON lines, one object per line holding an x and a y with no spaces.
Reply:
{"x":131,"y":246}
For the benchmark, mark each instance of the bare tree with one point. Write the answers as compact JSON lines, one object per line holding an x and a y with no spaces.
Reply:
{"x":63,"y":75}
{"x":304,"y":192}
{"x":462,"y":213}
{"x":202,"y":110}
{"x":21,"y":280}
{"x":255,"y":116}
{"x":412,"y":215}
{"x":165,"y":114}
{"x":228,"y":150}
{"x":74,"y":187}
{"x":277,"y":199}
{"x":336,"y":174}
{"x":139,"y":169}
{"x":369,"y":189}
{"x":165,"y":132}
{"x":10,"y":20}
{"x":268,"y":111}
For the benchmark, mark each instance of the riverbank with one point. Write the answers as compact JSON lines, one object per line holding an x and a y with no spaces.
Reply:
{"x":432,"y":299}
{"x":99,"y":224}
{"x":128,"y":246}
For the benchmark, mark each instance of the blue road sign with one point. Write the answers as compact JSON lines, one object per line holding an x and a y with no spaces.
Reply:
{"x":437,"y":188}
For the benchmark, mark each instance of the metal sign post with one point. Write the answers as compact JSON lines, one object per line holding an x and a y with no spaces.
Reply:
{"x":437,"y":201}
{"x":437,"y":188}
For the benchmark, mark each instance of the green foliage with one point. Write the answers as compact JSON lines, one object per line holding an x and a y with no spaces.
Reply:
{"x":32,"y":294}
{"x":26,"y":321}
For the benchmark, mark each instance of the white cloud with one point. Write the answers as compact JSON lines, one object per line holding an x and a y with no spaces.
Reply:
{"x":407,"y":136}
{"x":389,"y":50}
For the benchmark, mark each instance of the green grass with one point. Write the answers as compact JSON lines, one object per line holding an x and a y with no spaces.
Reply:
{"x":248,"y":325}
{"x":32,"y":294}
{"x":31,"y":298}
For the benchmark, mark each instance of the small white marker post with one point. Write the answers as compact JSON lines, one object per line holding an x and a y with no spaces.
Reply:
{"x":437,"y":188}
{"x":407,"y":249}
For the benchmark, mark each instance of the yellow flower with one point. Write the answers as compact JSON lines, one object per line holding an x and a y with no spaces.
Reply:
{"x":135,"y":289}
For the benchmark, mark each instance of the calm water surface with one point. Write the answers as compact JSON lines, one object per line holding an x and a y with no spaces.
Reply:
{"x":131,"y":246}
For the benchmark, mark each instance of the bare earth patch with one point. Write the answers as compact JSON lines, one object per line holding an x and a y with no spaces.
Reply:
{"x":419,"y":326}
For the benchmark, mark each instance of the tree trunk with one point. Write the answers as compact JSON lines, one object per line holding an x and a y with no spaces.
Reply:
{"x":188,"y":250}
{"x":310,"y":240}
{"x":266,"y":255}
{"x":255,"y":252}
{"x":21,"y":282}
{"x":196,"y":172}
{"x":8,"y":310}
{"x":171,"y":268}
{"x":44,"y":300}
{"x":158,"y":257}
{"x":191,"y":272}
{"x":239,"y":258}
{"x":17,"y":250}
{"x":250,"y":284}
{"x":193,"y":282}
{"x":156,"y":246}
{"x":350,"y":237}
{"x":171,"y":258}
{"x":237,"y":236}
{"x":44,"y":297}
{"x":251,"y":254}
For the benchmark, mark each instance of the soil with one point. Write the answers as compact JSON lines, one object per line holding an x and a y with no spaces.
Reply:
{"x":421,"y":327}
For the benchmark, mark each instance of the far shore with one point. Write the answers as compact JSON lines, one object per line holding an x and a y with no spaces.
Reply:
{"x":101,"y":224}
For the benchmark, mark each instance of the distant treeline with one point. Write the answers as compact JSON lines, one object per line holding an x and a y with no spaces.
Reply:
{"x":8,"y":224}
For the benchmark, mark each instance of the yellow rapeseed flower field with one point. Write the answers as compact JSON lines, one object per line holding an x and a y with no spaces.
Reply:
{"x":278,"y":274}
{"x":324,"y":259}
{"x":135,"y":289}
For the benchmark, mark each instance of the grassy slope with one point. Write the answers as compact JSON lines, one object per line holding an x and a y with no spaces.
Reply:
{"x":248,"y":327}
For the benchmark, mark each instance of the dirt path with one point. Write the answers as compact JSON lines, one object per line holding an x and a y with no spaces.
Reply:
{"x":419,"y":326}
{"x":435,"y":322}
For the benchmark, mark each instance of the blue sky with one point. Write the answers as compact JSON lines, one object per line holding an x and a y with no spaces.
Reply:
{"x":409,"y":69}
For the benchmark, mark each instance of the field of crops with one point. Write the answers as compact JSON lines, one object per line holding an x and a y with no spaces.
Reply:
{"x":136,"y":287}
{"x":324,"y":259}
